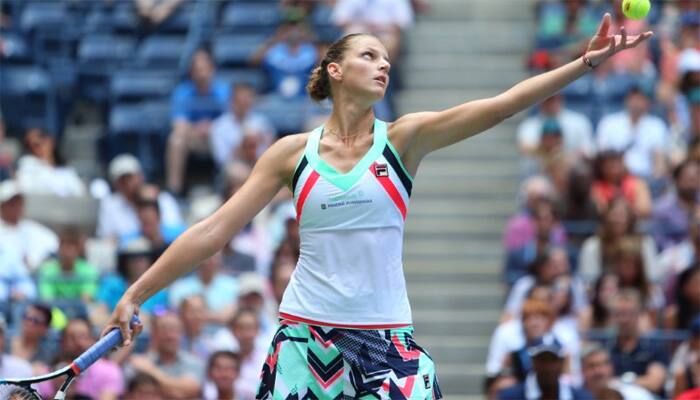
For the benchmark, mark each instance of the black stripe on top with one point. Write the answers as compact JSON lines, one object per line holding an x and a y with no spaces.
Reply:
{"x":304,"y":162}
{"x":396,"y":165}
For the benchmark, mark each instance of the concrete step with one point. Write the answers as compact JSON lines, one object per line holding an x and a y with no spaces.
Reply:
{"x":441,"y":76}
{"x":498,"y":63}
{"x":518,"y":11}
{"x":466,"y":207}
{"x":453,"y":349}
{"x":473,"y":187}
{"x":460,"y":378}
{"x":420,"y":225}
{"x":463,"y":324}
{"x":475,"y":37}
{"x":458,"y":169}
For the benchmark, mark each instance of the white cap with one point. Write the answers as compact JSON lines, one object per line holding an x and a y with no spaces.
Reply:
{"x":123,"y":164}
{"x":251,"y":282}
{"x":8,"y":190}
{"x":689,"y":61}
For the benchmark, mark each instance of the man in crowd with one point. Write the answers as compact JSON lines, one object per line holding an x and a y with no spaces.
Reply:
{"x":598,"y":375}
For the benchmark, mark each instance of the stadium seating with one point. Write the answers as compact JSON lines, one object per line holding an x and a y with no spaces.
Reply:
{"x":161,"y":52}
{"x":257,"y":17}
{"x":27,"y":97}
{"x":253,"y":77}
{"x":234,"y":50}
{"x":286,"y":114}
{"x":135,"y":85}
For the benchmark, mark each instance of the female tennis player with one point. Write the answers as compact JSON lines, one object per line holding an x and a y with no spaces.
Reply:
{"x":345,"y":321}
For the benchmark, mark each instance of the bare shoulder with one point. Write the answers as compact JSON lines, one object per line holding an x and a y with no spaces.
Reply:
{"x":403,"y":131}
{"x":284,"y":154}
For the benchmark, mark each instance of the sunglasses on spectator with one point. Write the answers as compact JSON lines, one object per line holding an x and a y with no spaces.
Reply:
{"x":34,"y":320}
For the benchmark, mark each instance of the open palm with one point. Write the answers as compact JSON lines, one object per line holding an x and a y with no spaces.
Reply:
{"x":604,"y":45}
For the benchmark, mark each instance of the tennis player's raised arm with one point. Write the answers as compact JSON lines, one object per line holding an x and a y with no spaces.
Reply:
{"x":433,"y":130}
{"x":207,"y":237}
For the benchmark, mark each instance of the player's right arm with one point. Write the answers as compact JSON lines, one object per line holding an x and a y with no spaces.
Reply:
{"x":272,"y":171}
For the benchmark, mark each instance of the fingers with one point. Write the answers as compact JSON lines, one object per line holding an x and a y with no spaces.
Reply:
{"x":623,"y":39}
{"x":644,"y":36}
{"x":604,"y":25}
{"x":126,"y":331}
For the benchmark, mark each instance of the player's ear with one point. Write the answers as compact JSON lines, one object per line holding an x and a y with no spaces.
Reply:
{"x":335,"y":71}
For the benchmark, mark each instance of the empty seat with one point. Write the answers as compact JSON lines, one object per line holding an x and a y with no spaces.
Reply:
{"x":251,"y":17}
{"x":323,"y":25}
{"x":161,"y":51}
{"x":103,"y":51}
{"x":145,"y":118}
{"x":137,"y":85}
{"x":26,"y":97}
{"x":287,"y":114}
{"x":253,"y":77}
{"x":15,"y":48}
{"x":235,"y":50}
{"x":41,"y":15}
{"x":179,"y":21}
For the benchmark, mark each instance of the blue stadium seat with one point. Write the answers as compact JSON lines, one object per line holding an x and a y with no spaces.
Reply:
{"x":235,"y":50}
{"x":161,"y":52}
{"x":253,"y":77}
{"x":100,"y":52}
{"x":137,"y":85}
{"x":322,"y":25}
{"x":144,"y":118}
{"x":286,"y":114}
{"x":15,"y":49}
{"x":41,"y":15}
{"x":27,"y":97}
{"x":124,"y":19}
{"x":251,"y":17}
{"x":179,"y":21}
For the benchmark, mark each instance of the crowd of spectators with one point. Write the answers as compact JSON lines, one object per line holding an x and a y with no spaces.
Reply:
{"x":603,"y":257}
{"x":207,"y":334}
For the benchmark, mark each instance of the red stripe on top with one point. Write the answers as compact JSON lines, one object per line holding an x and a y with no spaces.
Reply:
{"x":391,"y":190}
{"x":310,"y":182}
{"x":75,"y":368}
{"x":346,"y":326}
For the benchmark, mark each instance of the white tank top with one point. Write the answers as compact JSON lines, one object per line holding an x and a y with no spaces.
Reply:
{"x":350,"y":273}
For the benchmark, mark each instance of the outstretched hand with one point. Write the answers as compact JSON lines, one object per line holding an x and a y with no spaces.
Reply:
{"x":121,"y":319}
{"x":604,"y":45}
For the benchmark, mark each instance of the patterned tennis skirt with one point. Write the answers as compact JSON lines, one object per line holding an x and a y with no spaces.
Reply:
{"x":314,"y":362}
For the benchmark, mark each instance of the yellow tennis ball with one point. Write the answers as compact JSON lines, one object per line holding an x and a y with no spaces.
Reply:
{"x":636,"y":9}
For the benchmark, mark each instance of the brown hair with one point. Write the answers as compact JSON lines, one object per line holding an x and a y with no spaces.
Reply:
{"x":538,"y":307}
{"x":319,"y":86}
{"x":632,"y":247}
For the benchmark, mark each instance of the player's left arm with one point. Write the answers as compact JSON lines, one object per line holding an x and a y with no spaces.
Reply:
{"x":430,"y":131}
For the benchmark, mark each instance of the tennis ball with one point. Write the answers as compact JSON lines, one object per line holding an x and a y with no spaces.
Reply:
{"x":635,"y":9}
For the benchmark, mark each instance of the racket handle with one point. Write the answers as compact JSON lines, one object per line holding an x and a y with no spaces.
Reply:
{"x":104,"y":345}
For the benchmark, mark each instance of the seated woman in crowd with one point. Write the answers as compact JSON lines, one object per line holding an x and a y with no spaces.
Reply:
{"x":598,"y":315}
{"x":597,"y":252}
{"x":43,"y":169}
{"x":686,"y":304}
{"x":628,"y":266}
{"x":685,"y":366}
{"x":612,"y":180}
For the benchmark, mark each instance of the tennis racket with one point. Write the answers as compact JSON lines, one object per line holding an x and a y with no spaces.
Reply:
{"x":21,"y":389}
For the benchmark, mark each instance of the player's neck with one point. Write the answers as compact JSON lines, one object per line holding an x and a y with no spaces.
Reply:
{"x":349,"y":123}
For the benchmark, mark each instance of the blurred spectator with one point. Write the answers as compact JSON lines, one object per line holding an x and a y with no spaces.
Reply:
{"x":382,"y":18}
{"x":288,"y":57}
{"x":636,"y":61}
{"x":686,"y":300}
{"x":545,"y":270}
{"x":193,"y":313}
{"x":229,"y":130}
{"x":563,"y":25}
{"x":223,"y":369}
{"x":636,"y":360}
{"x":672,"y":212}
{"x":280,"y":275}
{"x":519,"y":259}
{"x":7,"y":158}
{"x":104,"y":379}
{"x":612,"y":180}
{"x":118,"y":214}
{"x":195,"y":103}
{"x":132,"y":261}
{"x":629,"y":268}
{"x":573,"y":128}
{"x":218,"y":290}
{"x":578,"y":202}
{"x":153,"y":12}
{"x":681,"y":256}
{"x":16,"y":284}
{"x":33,"y":343}
{"x":685,"y":366}
{"x":598,"y":251}
{"x":177,"y":372}
{"x":143,"y":387}
{"x":69,"y":276}
{"x":598,"y":315}
{"x":521,"y":227}
{"x":642,"y":137}
{"x":152,"y":228}
{"x":32,"y":240}
{"x":245,"y":327}
{"x":254,"y":295}
{"x":546,"y":380}
{"x":43,"y":169}
{"x":510,"y":338}
{"x":598,"y":376}
{"x":11,"y":366}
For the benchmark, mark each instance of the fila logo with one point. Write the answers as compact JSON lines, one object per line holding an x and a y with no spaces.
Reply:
{"x":381,"y":170}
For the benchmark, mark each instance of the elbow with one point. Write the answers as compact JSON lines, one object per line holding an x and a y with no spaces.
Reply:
{"x":208,"y":236}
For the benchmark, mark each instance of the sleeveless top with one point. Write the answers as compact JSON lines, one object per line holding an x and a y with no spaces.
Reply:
{"x":349,"y":272}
